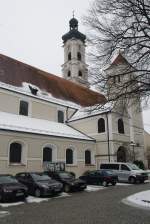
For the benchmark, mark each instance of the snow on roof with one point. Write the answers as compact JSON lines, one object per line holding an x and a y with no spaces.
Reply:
{"x":37,"y":126}
{"x":42,"y":95}
{"x":90,"y":111}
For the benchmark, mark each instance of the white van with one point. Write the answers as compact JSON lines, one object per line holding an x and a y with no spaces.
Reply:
{"x":127,"y":172}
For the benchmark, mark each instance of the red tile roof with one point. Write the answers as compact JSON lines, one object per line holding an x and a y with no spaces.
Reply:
{"x":14,"y":72}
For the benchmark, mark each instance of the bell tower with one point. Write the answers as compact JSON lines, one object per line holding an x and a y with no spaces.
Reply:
{"x":74,"y":67}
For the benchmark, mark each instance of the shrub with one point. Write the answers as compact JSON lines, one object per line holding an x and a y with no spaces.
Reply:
{"x":140,"y":164}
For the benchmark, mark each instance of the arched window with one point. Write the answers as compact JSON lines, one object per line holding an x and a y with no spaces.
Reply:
{"x":80,"y":73}
{"x":60,"y":116}
{"x":69,"y":73}
{"x":15,"y":153}
{"x":101,"y":125}
{"x":69,"y":56}
{"x":120,"y":126}
{"x":87,"y":157}
{"x":69,"y":156}
{"x":79,"y":56}
{"x":47,"y":154}
{"x":23,"y":109}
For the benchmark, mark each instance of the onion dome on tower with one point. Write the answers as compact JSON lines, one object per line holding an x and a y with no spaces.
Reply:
{"x":74,"y":33}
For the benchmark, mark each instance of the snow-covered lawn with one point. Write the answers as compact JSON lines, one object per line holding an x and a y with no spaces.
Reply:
{"x":141,"y":199}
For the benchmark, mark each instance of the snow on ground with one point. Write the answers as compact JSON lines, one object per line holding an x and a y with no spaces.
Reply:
{"x":5,"y":205}
{"x":3,"y":213}
{"x":31,"y":199}
{"x":123,"y":184}
{"x":91,"y":188}
{"x":141,"y":199}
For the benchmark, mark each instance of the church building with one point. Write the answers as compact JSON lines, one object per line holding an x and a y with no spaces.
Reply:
{"x":45,"y":118}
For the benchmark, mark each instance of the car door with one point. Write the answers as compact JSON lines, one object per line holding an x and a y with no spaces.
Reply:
{"x":92,"y":177}
{"x":124,"y":173}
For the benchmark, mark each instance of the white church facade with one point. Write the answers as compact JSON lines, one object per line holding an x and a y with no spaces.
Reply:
{"x":44,"y":118}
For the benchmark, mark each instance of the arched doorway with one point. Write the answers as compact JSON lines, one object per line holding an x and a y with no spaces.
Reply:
{"x":121,"y":154}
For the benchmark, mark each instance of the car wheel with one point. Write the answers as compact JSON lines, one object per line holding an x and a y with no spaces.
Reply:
{"x":37,"y":193}
{"x":104,"y":183}
{"x":132,"y":180}
{"x":66,"y":188}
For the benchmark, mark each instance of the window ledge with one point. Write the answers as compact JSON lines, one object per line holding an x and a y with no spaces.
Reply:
{"x":72,"y":165}
{"x":89,"y":164}
{"x":16,"y":164}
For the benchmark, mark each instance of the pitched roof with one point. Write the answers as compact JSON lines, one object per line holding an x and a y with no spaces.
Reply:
{"x":119,"y":60}
{"x":14,"y":72}
{"x":13,"y":122}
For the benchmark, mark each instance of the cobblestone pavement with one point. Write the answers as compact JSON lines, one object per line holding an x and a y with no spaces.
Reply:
{"x":101,"y":207}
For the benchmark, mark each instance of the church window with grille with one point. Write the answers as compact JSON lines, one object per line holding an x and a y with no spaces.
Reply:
{"x":69,"y":156}
{"x":23,"y":109}
{"x":87,"y":157}
{"x":120,"y":126}
{"x":60,"y":116}
{"x":15,"y":152}
{"x":101,"y":125}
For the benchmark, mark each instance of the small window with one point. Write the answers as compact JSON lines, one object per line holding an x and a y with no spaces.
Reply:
{"x":87,"y":157}
{"x":79,"y":56}
{"x":69,"y":73}
{"x":47,"y":154}
{"x":80,"y":74}
{"x":69,"y":56}
{"x":60,"y":116}
{"x":118,"y":78}
{"x":23,"y":110}
{"x":15,"y":153}
{"x":69,"y":156}
{"x":124,"y":167}
{"x":101,"y":125}
{"x":120,"y":126}
{"x":114,"y":79}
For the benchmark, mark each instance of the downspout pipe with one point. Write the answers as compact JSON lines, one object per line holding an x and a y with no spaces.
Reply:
{"x":108,"y":139}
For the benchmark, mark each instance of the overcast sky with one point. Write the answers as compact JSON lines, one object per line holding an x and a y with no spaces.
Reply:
{"x":31,"y":31}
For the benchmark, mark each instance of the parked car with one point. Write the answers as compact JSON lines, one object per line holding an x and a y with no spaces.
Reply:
{"x":39,"y":184}
{"x":11,"y":189}
{"x":126,"y":172}
{"x":70,"y":183}
{"x":100,"y":177}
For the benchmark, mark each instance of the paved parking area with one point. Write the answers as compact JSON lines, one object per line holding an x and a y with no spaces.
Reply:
{"x":103,"y":205}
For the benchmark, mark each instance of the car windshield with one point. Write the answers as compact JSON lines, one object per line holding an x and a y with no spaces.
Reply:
{"x":133,"y":166}
{"x":65,"y":175}
{"x":7,"y":180}
{"x":40,"y":177}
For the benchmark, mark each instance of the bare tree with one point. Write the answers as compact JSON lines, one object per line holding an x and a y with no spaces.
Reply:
{"x":120,"y":26}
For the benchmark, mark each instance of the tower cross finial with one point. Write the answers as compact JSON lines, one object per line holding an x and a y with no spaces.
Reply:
{"x":73,"y":13}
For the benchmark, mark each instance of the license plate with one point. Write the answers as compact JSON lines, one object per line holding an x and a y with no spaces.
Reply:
{"x":56,"y":190}
{"x":19,"y":194}
{"x":82,"y":186}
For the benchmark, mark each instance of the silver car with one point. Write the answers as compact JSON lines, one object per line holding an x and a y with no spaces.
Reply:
{"x":126,"y":172}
